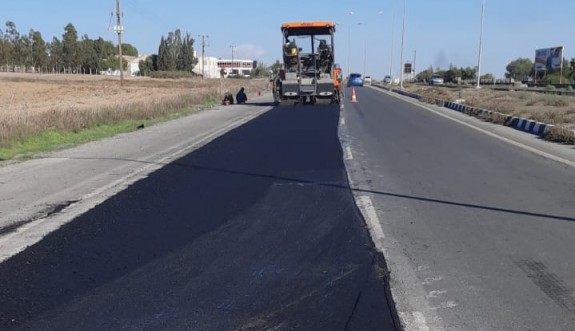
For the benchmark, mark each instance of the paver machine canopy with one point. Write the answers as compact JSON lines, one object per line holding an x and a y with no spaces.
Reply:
{"x":309,"y":71}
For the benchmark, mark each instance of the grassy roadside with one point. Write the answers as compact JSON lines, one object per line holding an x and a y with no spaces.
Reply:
{"x":45,"y":112}
{"x":92,"y":125}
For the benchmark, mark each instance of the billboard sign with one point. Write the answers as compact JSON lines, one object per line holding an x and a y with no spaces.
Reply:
{"x":549,"y":59}
{"x":407,"y":68}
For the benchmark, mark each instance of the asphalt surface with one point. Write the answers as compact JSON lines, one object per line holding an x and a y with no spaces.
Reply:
{"x":257,"y":229}
{"x":478,"y":233}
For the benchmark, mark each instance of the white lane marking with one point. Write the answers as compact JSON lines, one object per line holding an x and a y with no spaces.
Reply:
{"x":33,"y":232}
{"x":342,"y":121}
{"x":347,"y":153}
{"x":366,"y":206}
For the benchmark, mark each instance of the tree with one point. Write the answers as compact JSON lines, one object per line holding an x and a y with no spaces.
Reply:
{"x":106,"y":54}
{"x":468,"y":73}
{"x":488,"y":78}
{"x":176,"y":53}
{"x":129,"y":50}
{"x":425,"y":75}
{"x":163,"y":56}
{"x":275,"y":68}
{"x":39,"y":51}
{"x":91,"y":60}
{"x":55,"y":60}
{"x":148,"y":65}
{"x":260,"y":70}
{"x":70,"y":48}
{"x":21,"y":53}
{"x":520,"y":69}
{"x":187,"y":61}
{"x":12,"y":37}
{"x":453,"y":74}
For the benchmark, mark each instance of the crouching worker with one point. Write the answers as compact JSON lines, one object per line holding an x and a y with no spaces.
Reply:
{"x":228,"y":99}
{"x":241,"y":97}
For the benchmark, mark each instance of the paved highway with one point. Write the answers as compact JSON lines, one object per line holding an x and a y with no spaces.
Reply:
{"x":256,"y":229}
{"x":478,"y":232}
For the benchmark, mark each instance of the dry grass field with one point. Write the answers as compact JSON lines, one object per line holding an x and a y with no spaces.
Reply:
{"x":33,"y":103}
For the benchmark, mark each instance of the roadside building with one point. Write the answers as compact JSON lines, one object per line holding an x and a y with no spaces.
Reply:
{"x":209,"y":68}
{"x":232,"y":68}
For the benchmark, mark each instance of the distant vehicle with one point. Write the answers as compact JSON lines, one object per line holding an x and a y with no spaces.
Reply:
{"x":367,"y":80}
{"x":436,"y":80}
{"x":387,"y":80}
{"x":355,"y":80}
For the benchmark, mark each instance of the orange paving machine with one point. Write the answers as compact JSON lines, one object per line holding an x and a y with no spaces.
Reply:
{"x":309,"y":73}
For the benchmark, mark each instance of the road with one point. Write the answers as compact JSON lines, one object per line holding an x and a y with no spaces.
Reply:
{"x":478,"y":231}
{"x":252,"y":229}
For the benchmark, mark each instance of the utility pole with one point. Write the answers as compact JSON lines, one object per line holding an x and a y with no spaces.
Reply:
{"x":203,"y":54}
{"x":402,"y":40}
{"x":119,"y":29}
{"x":413,"y":67}
{"x":480,"y":46}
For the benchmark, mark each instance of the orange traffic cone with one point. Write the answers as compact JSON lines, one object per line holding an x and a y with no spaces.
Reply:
{"x":353,"y":98}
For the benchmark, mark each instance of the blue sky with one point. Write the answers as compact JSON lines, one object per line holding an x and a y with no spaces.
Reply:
{"x":440,"y":32}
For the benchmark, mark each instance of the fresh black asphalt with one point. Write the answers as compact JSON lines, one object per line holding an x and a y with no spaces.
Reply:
{"x":256,"y":230}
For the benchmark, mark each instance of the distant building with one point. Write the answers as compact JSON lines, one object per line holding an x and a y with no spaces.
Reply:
{"x":236,"y":67}
{"x":209,"y":68}
{"x":133,"y":68}
{"x":213,"y":67}
{"x":134,"y":64}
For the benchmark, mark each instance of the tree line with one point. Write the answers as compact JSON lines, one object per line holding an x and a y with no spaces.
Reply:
{"x":30,"y":53}
{"x":71,"y":54}
{"x":520,"y":70}
{"x":523,"y":69}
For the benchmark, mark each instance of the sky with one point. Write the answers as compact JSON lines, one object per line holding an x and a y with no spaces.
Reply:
{"x":437,"y":33}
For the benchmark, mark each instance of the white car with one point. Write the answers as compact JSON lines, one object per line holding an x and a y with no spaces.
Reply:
{"x":436,"y":80}
{"x":367,"y":80}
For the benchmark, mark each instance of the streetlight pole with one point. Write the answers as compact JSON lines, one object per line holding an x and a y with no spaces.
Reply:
{"x":348,"y":47}
{"x":392,"y":42}
{"x":480,"y":45}
{"x":402,"y":42}
{"x":349,"y":26}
